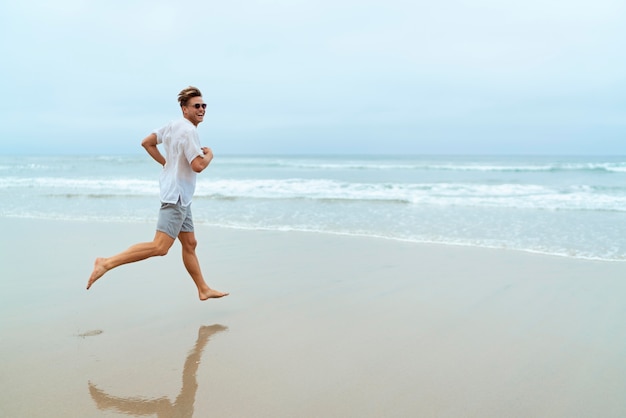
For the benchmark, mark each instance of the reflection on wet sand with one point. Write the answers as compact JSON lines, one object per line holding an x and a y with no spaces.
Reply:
{"x":182,"y":407}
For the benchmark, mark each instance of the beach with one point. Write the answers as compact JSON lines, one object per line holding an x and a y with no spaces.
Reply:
{"x":316,"y":325}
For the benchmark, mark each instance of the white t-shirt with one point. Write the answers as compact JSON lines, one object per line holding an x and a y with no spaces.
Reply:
{"x":182,"y":145}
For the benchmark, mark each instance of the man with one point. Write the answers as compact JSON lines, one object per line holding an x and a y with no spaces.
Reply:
{"x":185,"y":158}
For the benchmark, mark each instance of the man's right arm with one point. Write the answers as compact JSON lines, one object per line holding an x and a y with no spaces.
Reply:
{"x":150,"y":144}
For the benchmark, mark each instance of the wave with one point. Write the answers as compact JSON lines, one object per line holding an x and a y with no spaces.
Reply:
{"x":103,"y":196}
{"x":436,"y":194}
{"x":120,"y":186}
{"x":616,"y":165}
{"x":424,"y":164}
{"x":590,"y":167}
{"x":410,"y":163}
{"x":525,"y":196}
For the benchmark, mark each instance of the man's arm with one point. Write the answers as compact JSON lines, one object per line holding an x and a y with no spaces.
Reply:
{"x":202,"y":161}
{"x":150,"y":144}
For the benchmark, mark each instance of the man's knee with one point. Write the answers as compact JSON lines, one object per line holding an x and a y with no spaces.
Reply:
{"x":190,"y":245}
{"x":162,"y":243}
{"x":162,"y":249}
{"x":188,"y":241}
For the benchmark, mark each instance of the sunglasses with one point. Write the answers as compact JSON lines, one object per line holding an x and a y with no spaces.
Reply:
{"x":199,"y":105}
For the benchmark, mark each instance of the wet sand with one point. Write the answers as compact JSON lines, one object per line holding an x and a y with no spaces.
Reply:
{"x":315,"y":326}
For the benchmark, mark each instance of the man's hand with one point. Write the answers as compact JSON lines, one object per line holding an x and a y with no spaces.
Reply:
{"x":208,"y":154}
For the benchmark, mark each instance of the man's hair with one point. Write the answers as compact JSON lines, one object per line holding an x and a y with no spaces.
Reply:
{"x":188,"y":93}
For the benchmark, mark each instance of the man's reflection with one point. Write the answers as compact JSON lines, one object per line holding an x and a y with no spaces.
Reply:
{"x":163,"y":407}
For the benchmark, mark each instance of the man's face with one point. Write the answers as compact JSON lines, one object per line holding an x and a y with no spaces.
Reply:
{"x":194,"y":110}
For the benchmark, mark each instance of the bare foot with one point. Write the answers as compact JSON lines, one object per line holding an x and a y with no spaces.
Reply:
{"x":211,"y":294}
{"x":98,"y":271}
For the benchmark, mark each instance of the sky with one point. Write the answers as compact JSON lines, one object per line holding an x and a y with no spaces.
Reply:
{"x":317,"y":76}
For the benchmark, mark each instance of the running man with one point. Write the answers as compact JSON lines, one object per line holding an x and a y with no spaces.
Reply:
{"x":184,"y":159}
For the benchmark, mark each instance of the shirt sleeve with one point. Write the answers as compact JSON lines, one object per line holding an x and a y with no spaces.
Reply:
{"x":192,"y":147}
{"x":160,"y":133}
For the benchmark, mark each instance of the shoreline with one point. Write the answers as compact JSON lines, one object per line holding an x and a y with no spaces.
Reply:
{"x":201,"y":224}
{"x":315,"y":325}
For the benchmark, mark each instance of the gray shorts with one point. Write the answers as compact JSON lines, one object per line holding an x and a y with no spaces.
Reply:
{"x":174,"y":219}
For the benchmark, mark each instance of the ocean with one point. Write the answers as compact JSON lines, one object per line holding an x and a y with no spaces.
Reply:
{"x":565,"y":206}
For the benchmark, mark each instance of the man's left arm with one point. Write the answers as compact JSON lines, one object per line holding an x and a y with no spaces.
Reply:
{"x":201,"y":162}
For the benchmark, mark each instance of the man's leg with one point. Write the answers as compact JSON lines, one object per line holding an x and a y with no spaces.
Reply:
{"x":159,"y":246}
{"x":190,"y":259}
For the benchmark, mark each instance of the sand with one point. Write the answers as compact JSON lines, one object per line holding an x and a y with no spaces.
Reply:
{"x":315,"y":326}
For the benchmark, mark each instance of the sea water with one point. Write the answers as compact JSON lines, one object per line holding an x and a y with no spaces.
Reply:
{"x":566,"y":206}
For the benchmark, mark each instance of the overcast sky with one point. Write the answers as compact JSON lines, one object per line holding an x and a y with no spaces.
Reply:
{"x":317,"y":76}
